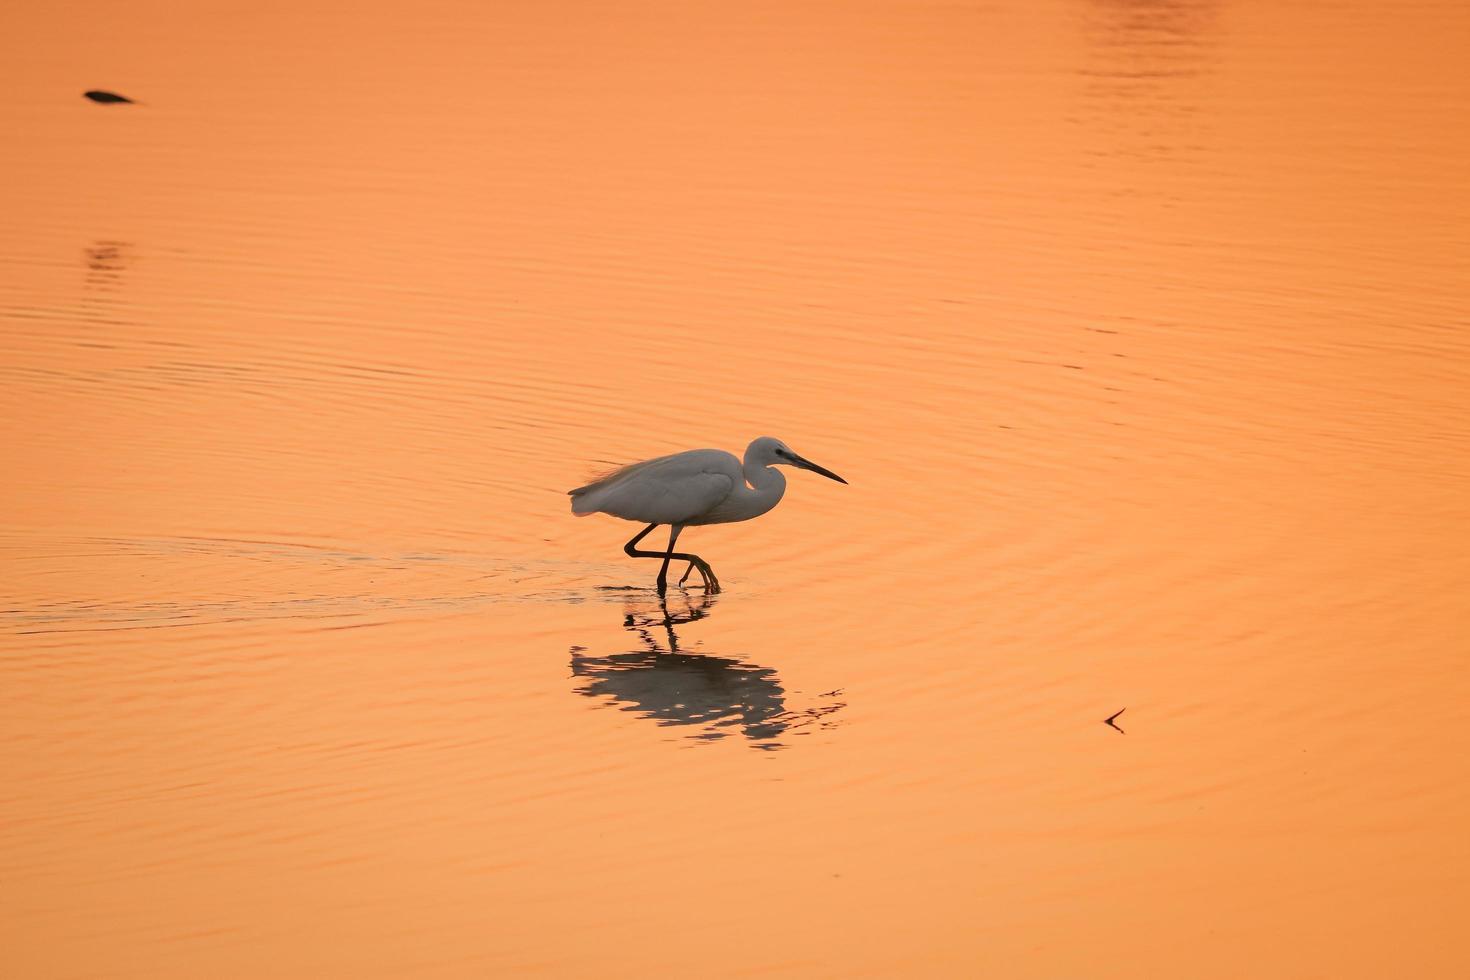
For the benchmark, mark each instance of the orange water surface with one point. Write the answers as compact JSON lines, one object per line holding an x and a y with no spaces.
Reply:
{"x":1139,"y":328}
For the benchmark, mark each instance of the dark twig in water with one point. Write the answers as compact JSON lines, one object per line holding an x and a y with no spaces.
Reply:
{"x":1109,"y":721}
{"x":107,"y":98}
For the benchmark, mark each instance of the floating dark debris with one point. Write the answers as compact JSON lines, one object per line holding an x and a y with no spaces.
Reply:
{"x":107,"y":98}
{"x":1111,"y":723}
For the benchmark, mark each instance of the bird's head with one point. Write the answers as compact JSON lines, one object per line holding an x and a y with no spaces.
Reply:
{"x":767,"y":451}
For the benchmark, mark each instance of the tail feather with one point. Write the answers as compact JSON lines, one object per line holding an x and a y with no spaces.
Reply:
{"x":579,"y":505}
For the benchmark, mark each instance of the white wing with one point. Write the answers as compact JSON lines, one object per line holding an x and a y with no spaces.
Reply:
{"x":668,"y":490}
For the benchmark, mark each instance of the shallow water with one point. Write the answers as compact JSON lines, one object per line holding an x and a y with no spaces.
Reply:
{"x":1138,"y":329}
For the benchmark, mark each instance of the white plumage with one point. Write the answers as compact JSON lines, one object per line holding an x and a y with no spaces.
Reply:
{"x":701,"y":486}
{"x":673,"y":489}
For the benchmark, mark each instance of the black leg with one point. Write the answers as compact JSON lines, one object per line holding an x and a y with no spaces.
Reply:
{"x":663,"y":572}
{"x":631,"y":548}
{"x":711,"y":584}
{"x":706,"y":574}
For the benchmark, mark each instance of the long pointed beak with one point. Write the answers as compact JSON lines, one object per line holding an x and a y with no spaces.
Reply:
{"x":807,"y":464}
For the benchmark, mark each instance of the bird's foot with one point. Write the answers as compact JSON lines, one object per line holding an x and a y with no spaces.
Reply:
{"x":706,"y":575}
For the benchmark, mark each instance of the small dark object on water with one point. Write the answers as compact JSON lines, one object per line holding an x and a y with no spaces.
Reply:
{"x":107,"y":98}
{"x":1109,"y":720}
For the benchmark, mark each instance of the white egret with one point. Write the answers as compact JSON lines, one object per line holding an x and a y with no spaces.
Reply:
{"x":701,"y":486}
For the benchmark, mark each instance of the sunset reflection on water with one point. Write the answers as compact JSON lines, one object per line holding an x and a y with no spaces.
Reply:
{"x":1137,"y":328}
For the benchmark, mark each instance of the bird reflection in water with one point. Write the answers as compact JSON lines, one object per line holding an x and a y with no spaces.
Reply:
{"x":718,"y":696}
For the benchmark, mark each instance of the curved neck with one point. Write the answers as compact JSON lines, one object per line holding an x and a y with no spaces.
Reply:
{"x":766,"y":484}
